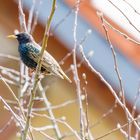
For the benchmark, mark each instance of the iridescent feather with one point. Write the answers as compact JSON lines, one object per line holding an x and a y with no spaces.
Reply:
{"x":29,"y":52}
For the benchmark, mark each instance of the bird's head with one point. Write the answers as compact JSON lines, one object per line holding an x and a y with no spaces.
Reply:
{"x":22,"y":37}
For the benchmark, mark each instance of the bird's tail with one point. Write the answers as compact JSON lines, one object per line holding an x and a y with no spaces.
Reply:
{"x":64,"y":76}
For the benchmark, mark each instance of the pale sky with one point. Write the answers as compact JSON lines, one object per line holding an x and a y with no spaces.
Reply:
{"x":109,"y":10}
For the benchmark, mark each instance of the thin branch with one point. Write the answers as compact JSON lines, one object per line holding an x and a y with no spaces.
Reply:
{"x":75,"y":73}
{"x":66,"y":16}
{"x":9,"y":56}
{"x":47,"y":104}
{"x":13,"y":94}
{"x":6,"y":125}
{"x":116,"y":129}
{"x":74,"y":132}
{"x":10,"y":82}
{"x":131,"y":7}
{"x":47,"y":136}
{"x":30,"y":19}
{"x":22,"y":17}
{"x":88,"y":134}
{"x":136,"y":99}
{"x":105,"y":115}
{"x":121,"y":33}
{"x":43,"y":128}
{"x":17,"y":118}
{"x":114,"y":58}
{"x":127,"y":136}
{"x":109,"y":87}
{"x":89,"y":31}
{"x":86,"y":106}
{"x":66,"y":103}
{"x":13,"y":71}
{"x":125,"y":16}
{"x":44,"y":44}
{"x":35,"y":20}
{"x":116,"y":70}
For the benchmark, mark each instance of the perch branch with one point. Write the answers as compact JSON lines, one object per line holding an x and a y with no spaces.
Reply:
{"x":44,"y":45}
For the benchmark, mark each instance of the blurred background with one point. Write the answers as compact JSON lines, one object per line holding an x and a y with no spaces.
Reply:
{"x":98,"y":52}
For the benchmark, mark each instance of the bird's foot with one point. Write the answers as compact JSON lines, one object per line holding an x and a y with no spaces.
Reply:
{"x":30,"y":72}
{"x":41,"y":76}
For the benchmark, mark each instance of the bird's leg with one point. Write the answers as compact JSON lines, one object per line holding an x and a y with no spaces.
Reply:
{"x":30,"y":71}
{"x":41,"y":77}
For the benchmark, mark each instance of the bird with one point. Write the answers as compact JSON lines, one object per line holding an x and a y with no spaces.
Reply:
{"x":29,"y":52}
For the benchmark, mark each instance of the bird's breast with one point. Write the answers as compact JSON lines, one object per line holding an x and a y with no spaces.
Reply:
{"x":25,"y":57}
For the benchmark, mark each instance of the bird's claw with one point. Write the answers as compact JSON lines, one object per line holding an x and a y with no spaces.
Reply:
{"x":30,"y":72}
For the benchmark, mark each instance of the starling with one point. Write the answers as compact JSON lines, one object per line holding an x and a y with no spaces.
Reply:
{"x":29,"y":52}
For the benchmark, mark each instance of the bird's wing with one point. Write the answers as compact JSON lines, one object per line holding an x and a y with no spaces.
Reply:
{"x":48,"y":62}
{"x":56,"y":69}
{"x":34,"y":54}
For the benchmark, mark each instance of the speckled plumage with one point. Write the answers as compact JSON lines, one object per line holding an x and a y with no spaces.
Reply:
{"x":29,"y":52}
{"x":24,"y":54}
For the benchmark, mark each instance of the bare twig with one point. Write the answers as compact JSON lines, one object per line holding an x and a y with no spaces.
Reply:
{"x":121,"y":33}
{"x":131,"y":7}
{"x":44,"y":44}
{"x":13,"y":71}
{"x":35,"y":20}
{"x":80,"y":43}
{"x":125,"y":16}
{"x":135,"y":105}
{"x":17,"y":118}
{"x":74,"y":132}
{"x":75,"y":72}
{"x":86,"y":106}
{"x":66,"y":103}
{"x":47,"y":104}
{"x":6,"y":125}
{"x":116,"y":129}
{"x":114,"y":58}
{"x":30,"y":19}
{"x":9,"y":56}
{"x":22,"y":17}
{"x":109,"y":87}
{"x":125,"y":133}
{"x":105,"y":115}
{"x":47,"y":136}
{"x":43,"y":128}
{"x":117,"y":71}
{"x":11,"y":82}
{"x":13,"y":94}
{"x":66,"y":16}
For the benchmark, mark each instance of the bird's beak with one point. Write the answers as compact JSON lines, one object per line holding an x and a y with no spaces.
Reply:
{"x":11,"y":36}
